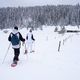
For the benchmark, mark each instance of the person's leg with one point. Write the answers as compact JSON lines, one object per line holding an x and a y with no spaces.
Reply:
{"x":30,"y":47}
{"x":16,"y":54}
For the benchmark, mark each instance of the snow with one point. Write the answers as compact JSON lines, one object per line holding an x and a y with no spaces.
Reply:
{"x":46,"y":63}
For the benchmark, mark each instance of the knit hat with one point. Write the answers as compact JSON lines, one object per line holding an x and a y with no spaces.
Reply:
{"x":16,"y":27}
{"x":30,"y":30}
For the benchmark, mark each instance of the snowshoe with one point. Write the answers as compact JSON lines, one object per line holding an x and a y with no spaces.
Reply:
{"x":14,"y":64}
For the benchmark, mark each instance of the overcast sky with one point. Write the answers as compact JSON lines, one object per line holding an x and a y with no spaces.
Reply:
{"x":16,"y":3}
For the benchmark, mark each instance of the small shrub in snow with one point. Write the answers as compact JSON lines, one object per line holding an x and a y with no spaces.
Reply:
{"x":5,"y":31}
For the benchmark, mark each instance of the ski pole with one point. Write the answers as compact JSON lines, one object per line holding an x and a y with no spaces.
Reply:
{"x":59,"y":46}
{"x":6,"y":53}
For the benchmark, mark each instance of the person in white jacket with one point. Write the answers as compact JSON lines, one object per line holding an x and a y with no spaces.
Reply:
{"x":29,"y":40}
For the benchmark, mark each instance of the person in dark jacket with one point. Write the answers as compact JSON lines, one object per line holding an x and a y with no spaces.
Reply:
{"x":16,"y":46}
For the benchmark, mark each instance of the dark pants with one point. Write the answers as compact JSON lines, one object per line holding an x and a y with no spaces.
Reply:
{"x":16,"y":54}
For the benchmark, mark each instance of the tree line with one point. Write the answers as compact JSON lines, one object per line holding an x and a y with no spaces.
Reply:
{"x":37,"y":16}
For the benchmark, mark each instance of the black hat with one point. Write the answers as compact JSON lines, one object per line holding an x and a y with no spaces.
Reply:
{"x":30,"y":30}
{"x":16,"y":27}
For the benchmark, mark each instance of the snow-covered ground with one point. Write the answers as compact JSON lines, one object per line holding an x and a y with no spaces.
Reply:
{"x":46,"y":63}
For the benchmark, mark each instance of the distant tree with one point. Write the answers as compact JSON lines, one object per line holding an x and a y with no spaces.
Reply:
{"x":40,"y":15}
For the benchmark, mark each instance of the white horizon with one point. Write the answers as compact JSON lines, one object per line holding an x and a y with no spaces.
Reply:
{"x":29,"y":3}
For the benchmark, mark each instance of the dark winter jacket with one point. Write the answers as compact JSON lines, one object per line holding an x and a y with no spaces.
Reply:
{"x":20,"y":37}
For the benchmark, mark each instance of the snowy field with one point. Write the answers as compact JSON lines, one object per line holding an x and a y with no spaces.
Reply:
{"x":46,"y":63}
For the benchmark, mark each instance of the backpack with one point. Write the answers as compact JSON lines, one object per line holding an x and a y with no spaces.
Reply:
{"x":15,"y":39}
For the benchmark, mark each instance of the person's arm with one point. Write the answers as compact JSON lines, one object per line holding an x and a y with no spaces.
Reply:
{"x":21,"y":38}
{"x":33,"y":38}
{"x":9,"y":38}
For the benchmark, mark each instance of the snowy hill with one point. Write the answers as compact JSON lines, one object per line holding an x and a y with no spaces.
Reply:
{"x":46,"y":63}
